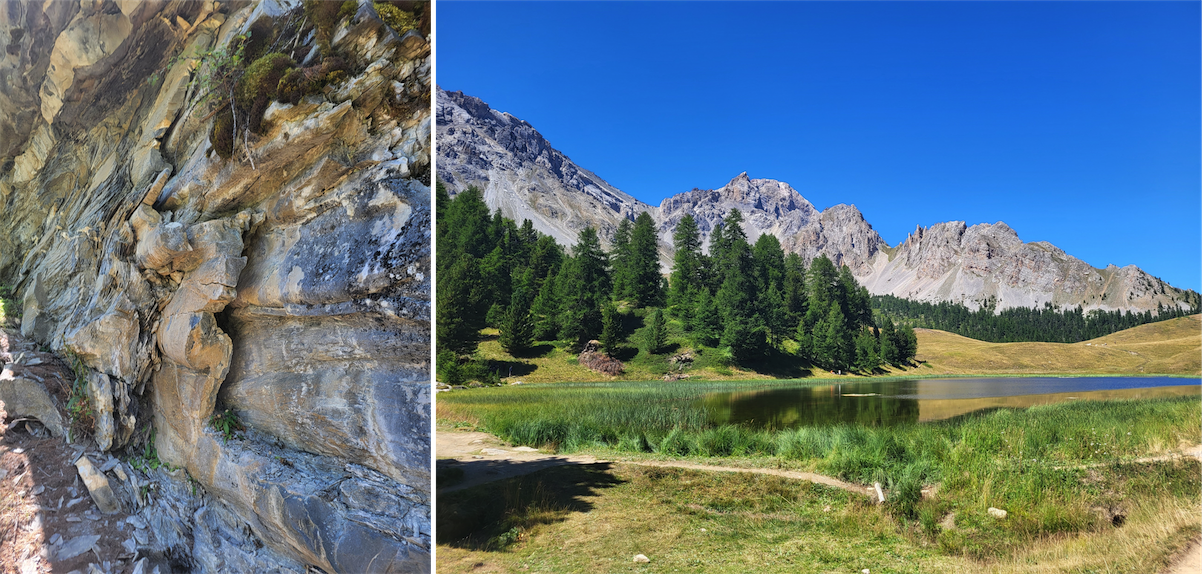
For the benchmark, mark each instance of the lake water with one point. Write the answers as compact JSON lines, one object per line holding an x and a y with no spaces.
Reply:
{"x":883,"y":403}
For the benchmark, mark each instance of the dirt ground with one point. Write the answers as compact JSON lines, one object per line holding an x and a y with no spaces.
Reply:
{"x":48,"y":520}
{"x":482,"y":457}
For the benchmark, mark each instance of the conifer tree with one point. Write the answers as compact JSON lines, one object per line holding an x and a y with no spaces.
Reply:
{"x":889,"y":351}
{"x":656,"y":333}
{"x":742,"y":329}
{"x":686,"y":267}
{"x":835,"y":349}
{"x":584,"y":285}
{"x":707,"y":323}
{"x":459,"y":315}
{"x":611,"y":328}
{"x":646,"y":283}
{"x":517,"y":328}
{"x":621,"y":259}
{"x":795,"y":289}
{"x":868,"y":356}
{"x":546,"y":309}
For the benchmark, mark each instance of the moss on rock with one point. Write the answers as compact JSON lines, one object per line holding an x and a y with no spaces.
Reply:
{"x":259,"y":85}
{"x":397,"y":19}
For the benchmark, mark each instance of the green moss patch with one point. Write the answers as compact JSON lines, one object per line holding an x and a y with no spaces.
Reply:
{"x":258,"y":86}
{"x":397,"y":19}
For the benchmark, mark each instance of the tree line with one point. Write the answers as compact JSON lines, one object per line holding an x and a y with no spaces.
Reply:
{"x":746,"y":299}
{"x":1045,"y":324}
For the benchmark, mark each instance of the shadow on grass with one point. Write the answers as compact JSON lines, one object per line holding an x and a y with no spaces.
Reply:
{"x":625,"y":353}
{"x":492,"y":515}
{"x":782,"y":365}
{"x":539,"y":350}
{"x":511,"y":368}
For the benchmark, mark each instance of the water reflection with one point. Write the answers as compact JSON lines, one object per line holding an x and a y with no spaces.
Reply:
{"x":885,"y":403}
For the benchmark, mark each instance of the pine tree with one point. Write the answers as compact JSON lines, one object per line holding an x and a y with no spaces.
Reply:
{"x":611,"y":328}
{"x":707,"y":323}
{"x":621,"y":259}
{"x":584,"y":286}
{"x":686,"y":268}
{"x":546,"y":310}
{"x":908,"y":344}
{"x":889,"y":350}
{"x":868,"y":357}
{"x":795,"y":289}
{"x":656,"y":334}
{"x":517,"y":328}
{"x":646,"y":283}
{"x":459,"y":315}
{"x":835,"y":350}
{"x":742,"y":329}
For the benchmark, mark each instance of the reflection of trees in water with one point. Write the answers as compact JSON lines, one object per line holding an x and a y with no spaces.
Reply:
{"x":817,"y":406}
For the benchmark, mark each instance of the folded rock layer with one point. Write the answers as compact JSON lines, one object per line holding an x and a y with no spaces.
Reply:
{"x":251,"y":308}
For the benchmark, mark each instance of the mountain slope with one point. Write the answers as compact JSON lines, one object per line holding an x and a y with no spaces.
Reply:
{"x":523,"y":176}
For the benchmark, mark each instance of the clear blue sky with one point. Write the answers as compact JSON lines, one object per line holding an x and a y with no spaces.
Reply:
{"x":1076,"y":123}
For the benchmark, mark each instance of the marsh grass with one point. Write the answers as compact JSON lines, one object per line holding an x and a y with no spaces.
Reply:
{"x":1027,"y":461}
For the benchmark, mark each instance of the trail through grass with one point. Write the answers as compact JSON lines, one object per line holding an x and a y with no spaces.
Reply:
{"x":1023,"y":460}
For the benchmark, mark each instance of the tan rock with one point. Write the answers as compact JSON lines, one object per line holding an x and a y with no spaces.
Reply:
{"x":98,"y":486}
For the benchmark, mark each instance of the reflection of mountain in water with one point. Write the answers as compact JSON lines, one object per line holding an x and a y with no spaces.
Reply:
{"x":873,"y":405}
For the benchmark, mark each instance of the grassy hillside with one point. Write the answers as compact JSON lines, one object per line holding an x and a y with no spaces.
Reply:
{"x":1169,"y":347}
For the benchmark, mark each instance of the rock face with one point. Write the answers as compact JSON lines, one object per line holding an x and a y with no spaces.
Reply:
{"x":521,"y":174}
{"x":527,"y":179}
{"x":972,"y":264}
{"x":288,"y":284}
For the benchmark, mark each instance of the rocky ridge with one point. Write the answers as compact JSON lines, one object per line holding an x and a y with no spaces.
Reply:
{"x":521,"y":174}
{"x":974,"y":265}
{"x":287,"y":286}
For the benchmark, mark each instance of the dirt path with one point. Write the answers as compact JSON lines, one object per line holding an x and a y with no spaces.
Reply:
{"x":484,"y":458}
{"x":1190,"y":561}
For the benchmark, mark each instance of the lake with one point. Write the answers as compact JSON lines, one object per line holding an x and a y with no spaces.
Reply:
{"x":885,"y":403}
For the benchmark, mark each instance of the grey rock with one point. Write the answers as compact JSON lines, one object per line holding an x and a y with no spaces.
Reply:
{"x":27,"y":398}
{"x":76,"y":546}
{"x":174,"y":274}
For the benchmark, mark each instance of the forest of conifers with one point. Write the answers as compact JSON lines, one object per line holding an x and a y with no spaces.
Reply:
{"x":744,"y":300}
{"x":1047,"y":324}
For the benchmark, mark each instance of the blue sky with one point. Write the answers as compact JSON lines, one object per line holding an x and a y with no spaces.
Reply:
{"x":1076,"y":123}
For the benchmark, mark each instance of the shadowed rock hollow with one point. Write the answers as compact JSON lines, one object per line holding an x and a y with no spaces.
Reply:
{"x":279,"y":273}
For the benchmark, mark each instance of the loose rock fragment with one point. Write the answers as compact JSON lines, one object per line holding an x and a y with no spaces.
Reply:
{"x":98,"y":486}
{"x":77,"y":546}
{"x":996,"y":513}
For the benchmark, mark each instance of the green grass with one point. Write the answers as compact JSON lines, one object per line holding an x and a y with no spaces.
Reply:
{"x":594,"y":518}
{"x":684,"y":520}
{"x":1172,"y":347}
{"x":1022,"y":460}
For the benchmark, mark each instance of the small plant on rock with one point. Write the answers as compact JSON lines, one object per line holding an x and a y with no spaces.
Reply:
{"x":149,"y":459}
{"x":79,"y":406}
{"x":227,"y":423}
